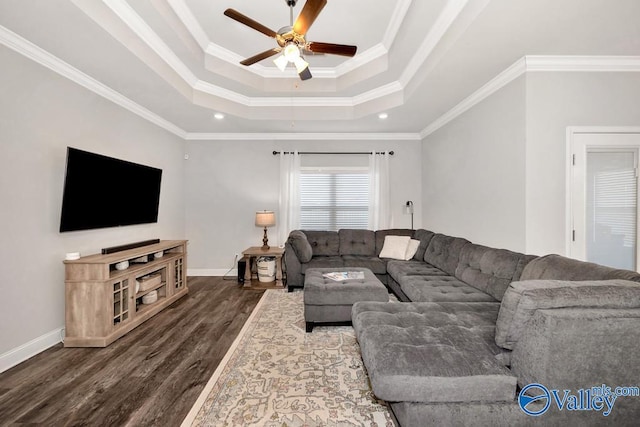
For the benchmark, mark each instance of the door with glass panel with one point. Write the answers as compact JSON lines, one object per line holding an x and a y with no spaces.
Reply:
{"x":605,"y":199}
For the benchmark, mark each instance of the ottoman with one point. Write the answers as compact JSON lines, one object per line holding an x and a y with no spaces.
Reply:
{"x":330,"y":301}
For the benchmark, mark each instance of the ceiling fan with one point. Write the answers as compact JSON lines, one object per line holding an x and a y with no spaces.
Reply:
{"x":291,"y":39}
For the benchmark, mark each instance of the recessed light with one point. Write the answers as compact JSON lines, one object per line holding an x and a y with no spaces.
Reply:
{"x":219,"y":116}
{"x":383,"y":116}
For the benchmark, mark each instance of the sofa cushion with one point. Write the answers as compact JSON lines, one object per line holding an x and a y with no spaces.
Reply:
{"x":381,"y":234}
{"x":444,"y":252}
{"x":432,"y":352}
{"x":425,"y":237}
{"x":323,"y":243}
{"x":488,"y":269}
{"x":558,"y":267}
{"x":322,"y":262}
{"x":523,"y":299}
{"x":375,"y":264}
{"x":441,"y":288}
{"x":357,"y":242}
{"x":300,"y":244}
{"x":399,"y":269}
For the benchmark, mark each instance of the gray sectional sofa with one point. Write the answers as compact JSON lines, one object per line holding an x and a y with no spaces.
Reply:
{"x":334,"y":249}
{"x":478,"y":324}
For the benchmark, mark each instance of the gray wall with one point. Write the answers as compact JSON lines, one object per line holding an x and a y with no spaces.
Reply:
{"x":473,"y":172}
{"x":555,"y":101}
{"x":228,"y":181}
{"x":41,"y":113}
{"x":497,"y":174}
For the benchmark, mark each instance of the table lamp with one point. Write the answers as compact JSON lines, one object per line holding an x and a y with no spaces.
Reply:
{"x":265,"y":219}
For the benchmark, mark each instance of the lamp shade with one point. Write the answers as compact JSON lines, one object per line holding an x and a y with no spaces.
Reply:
{"x":265,"y":219}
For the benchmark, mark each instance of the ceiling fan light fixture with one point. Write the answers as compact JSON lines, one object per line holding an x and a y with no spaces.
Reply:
{"x":291,"y":52}
{"x":300,"y":64}
{"x":281,"y":62}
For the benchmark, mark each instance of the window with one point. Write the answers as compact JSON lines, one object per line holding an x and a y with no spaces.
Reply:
{"x":334,"y":199}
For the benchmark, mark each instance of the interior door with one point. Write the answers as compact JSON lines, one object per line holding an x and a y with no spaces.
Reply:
{"x":605,"y":199}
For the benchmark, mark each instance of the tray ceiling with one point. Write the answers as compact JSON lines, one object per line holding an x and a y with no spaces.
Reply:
{"x":177,"y":61}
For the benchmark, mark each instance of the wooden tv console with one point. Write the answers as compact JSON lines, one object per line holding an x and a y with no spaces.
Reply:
{"x":102,"y":303}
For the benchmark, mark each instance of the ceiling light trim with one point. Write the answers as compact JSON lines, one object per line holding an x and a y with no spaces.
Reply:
{"x":35,"y":53}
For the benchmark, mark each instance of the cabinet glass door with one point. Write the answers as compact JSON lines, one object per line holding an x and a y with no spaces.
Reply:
{"x":120,"y":301}
{"x":179,"y":273}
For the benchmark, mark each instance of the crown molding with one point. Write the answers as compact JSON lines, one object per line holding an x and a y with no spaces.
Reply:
{"x":24,"y":47}
{"x":397,"y":18}
{"x":507,"y":76}
{"x":583,"y":63}
{"x":130,"y":18}
{"x":190,"y":23}
{"x":442,"y":24}
{"x":328,"y":136}
{"x":536,"y":63}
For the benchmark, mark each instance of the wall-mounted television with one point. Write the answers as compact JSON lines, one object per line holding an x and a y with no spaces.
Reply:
{"x":101,"y":191}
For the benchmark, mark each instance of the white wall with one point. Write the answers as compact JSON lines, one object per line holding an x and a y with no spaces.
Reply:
{"x":473,"y":172}
{"x":228,"y":181}
{"x":554,"y":102}
{"x":41,"y":113}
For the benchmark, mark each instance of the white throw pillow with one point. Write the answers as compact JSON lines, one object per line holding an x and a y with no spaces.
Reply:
{"x":412,"y":248}
{"x":395,"y":247}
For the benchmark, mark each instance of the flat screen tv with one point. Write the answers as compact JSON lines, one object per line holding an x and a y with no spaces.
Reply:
{"x":101,"y":191}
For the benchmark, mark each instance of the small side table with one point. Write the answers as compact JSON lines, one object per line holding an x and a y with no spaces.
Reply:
{"x":256,"y":251}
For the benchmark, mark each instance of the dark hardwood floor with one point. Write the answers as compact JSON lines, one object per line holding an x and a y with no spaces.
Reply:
{"x":150,"y":377}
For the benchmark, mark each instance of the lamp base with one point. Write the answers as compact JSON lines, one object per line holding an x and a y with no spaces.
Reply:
{"x":265,"y":240}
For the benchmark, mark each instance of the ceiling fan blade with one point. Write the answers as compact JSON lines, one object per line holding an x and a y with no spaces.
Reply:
{"x":309,"y":13}
{"x":234,"y":14}
{"x":334,"y":49}
{"x":305,"y":74}
{"x":262,"y":55}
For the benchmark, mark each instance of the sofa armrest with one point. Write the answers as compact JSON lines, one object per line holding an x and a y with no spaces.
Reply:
{"x":573,"y":348}
{"x":295,"y":278}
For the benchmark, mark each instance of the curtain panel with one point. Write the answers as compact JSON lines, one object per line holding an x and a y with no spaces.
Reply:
{"x":289,"y":202}
{"x":379,"y":212}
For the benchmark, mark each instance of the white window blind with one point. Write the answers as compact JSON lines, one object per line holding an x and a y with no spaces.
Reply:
{"x":331,"y":200}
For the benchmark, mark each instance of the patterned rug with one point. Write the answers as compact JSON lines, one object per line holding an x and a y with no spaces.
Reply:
{"x":275,"y":374}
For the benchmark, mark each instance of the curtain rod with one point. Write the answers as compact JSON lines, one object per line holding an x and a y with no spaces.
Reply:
{"x":275,"y":153}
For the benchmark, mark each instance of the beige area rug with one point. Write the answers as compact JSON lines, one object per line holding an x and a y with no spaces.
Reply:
{"x":275,"y":374}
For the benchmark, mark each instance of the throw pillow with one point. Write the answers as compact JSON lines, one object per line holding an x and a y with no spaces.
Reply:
{"x":395,"y":247}
{"x":300,"y":244}
{"x":412,"y":248}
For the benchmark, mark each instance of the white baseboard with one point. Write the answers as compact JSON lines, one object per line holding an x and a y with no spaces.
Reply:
{"x":19,"y":354}
{"x":211,"y":272}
